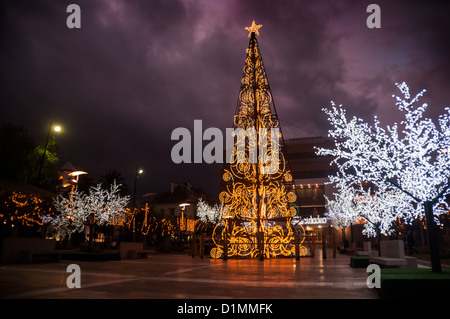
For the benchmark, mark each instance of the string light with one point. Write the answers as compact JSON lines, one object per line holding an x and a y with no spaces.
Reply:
{"x":106,"y":206}
{"x":23,"y":209}
{"x":376,"y":210}
{"x":258,"y":204}
{"x":406,"y":157}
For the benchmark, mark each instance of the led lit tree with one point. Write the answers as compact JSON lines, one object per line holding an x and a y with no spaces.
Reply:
{"x":72,"y":214}
{"x":258,"y":188}
{"x":99,"y":207}
{"x":208,"y":216}
{"x":378,"y":208}
{"x":414,"y":159}
{"x":209,"y":213}
{"x":340,"y":212}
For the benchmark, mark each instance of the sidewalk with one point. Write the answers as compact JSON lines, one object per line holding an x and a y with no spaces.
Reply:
{"x":170,"y":276}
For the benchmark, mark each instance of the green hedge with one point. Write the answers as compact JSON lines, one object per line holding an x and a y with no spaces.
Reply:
{"x":359,"y":261}
{"x":414,"y":283}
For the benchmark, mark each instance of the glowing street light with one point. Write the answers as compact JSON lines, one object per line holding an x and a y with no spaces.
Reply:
{"x":182,"y":223}
{"x":183,"y":206}
{"x":57,"y":128}
{"x":76,"y":175}
{"x":139,"y":171}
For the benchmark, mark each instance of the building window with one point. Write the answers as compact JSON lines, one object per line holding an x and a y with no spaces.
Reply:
{"x":311,"y":195}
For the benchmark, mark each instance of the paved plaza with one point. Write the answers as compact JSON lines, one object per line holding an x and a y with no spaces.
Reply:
{"x":179,"y":276}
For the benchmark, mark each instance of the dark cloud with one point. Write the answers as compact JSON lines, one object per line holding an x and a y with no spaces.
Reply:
{"x":136,"y":70}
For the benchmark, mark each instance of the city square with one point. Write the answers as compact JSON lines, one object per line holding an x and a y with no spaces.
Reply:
{"x":179,"y":276}
{"x":133,"y":172}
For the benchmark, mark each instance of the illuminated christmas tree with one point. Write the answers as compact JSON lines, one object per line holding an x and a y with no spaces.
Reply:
{"x":258,"y":191}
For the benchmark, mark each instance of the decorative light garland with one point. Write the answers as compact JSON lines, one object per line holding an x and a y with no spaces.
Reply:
{"x":411,"y":160}
{"x":23,"y":209}
{"x":107,"y":207}
{"x":258,"y":204}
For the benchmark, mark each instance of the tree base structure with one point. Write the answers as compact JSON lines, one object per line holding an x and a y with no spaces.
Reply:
{"x":242,"y":240}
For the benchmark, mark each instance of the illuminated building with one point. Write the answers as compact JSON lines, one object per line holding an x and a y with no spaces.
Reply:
{"x":310,"y":172}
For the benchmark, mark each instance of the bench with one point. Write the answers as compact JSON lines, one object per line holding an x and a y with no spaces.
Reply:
{"x":367,"y":250}
{"x":411,"y":262}
{"x":29,"y":250}
{"x":393,"y":255}
{"x":132,"y":250}
{"x":388,"y":262}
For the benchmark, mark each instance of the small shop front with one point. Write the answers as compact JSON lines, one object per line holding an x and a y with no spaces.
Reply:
{"x":313,"y":220}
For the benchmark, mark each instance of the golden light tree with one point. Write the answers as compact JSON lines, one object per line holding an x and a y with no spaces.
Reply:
{"x":258,"y":190}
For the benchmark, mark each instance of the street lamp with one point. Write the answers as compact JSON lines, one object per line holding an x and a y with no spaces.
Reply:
{"x":56,"y":128}
{"x":76,"y":175}
{"x":139,"y":171}
{"x":182,"y":223}
{"x":183,"y":207}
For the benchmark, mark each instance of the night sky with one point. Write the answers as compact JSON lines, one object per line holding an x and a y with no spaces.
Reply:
{"x":136,"y":70}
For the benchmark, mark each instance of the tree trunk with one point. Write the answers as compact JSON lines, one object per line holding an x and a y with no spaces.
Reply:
{"x":377,"y":228}
{"x":432,"y":237}
{"x":91,"y":235}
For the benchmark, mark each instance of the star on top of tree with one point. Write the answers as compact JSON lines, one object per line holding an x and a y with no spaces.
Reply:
{"x":253,"y":28}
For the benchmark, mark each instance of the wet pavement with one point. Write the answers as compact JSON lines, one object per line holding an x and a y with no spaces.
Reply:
{"x":179,"y":276}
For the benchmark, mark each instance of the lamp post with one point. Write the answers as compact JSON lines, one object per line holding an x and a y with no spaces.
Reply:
{"x":183,"y":207}
{"x":56,"y":128}
{"x":138,"y":171}
{"x":91,"y":221}
{"x":74,"y":181}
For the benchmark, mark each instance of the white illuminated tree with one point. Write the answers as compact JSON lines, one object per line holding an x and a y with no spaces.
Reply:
{"x":71,"y":216}
{"x":414,"y":159}
{"x":209,"y":213}
{"x":377,"y":207}
{"x":105,"y":206}
{"x":340,"y":210}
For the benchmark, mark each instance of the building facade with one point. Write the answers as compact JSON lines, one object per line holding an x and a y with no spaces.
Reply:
{"x":310,"y":172}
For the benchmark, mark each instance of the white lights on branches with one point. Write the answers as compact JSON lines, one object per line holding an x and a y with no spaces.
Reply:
{"x":209,"y":213}
{"x":377,"y":208}
{"x":106,"y":206}
{"x":411,"y":158}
